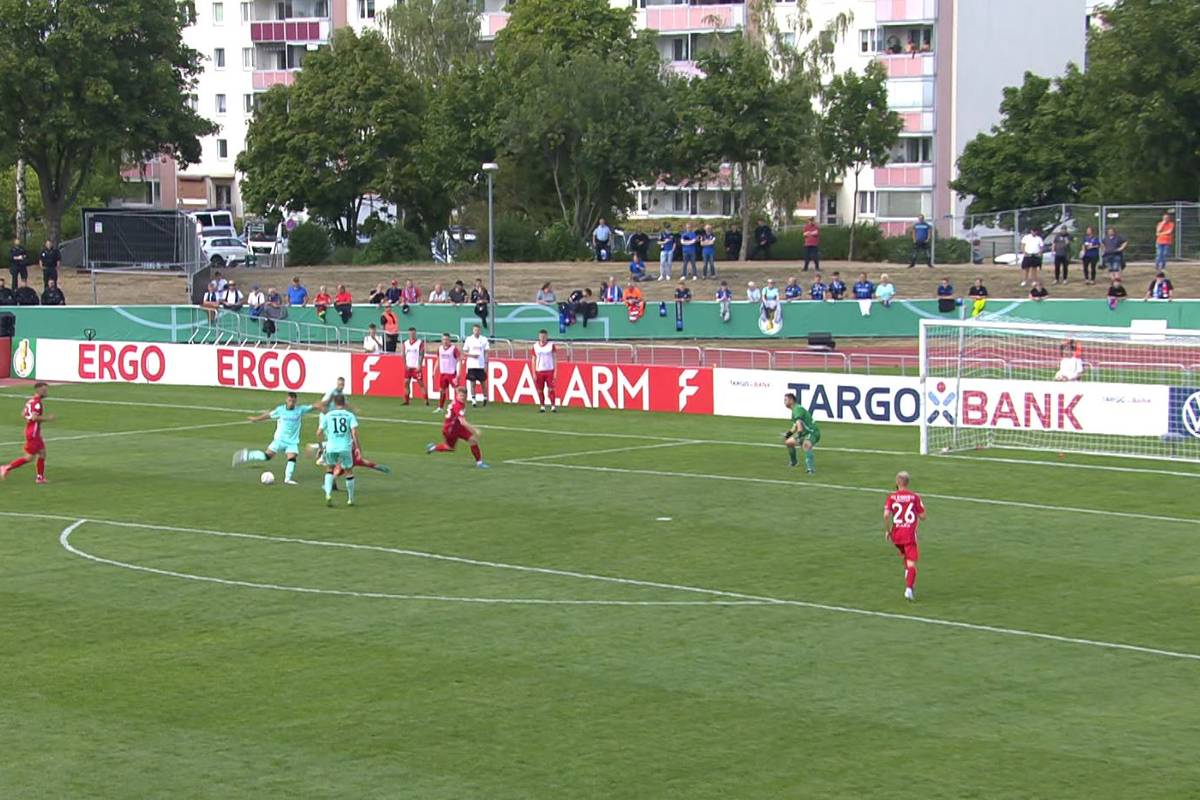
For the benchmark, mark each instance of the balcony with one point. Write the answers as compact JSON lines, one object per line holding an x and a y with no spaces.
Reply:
{"x":915,"y":65}
{"x":692,"y":19}
{"x":905,"y":10}
{"x":491,"y":23}
{"x":904,"y":177}
{"x":918,"y":121}
{"x":688,"y":69}
{"x":266,"y":78}
{"x":295,"y":30}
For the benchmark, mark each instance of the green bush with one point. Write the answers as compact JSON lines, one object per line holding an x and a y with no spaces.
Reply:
{"x":343,"y":254}
{"x":516,"y":239}
{"x":308,"y":245}
{"x":392,"y":244}
{"x":559,"y":243}
{"x":789,"y":245}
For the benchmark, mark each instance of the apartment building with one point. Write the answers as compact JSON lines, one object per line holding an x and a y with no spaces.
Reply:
{"x":947,"y":61}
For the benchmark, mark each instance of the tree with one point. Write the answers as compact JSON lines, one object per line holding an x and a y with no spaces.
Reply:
{"x":349,"y":126}
{"x":857,"y":127}
{"x":433,"y":38}
{"x":86,"y":86}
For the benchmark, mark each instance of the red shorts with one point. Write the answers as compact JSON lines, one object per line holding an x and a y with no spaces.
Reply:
{"x":446,"y":381}
{"x":412,"y":374}
{"x":908,"y":550}
{"x":543,"y":379}
{"x":454,"y":433}
{"x":34,"y":446}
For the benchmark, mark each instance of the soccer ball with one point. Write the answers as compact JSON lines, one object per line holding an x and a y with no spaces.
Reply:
{"x":267,"y":478}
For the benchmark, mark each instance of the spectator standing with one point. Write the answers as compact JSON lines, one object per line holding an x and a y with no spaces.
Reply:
{"x":371,"y":342}
{"x":863,"y":288}
{"x":18,"y":263}
{"x":687,"y":241}
{"x":394,"y":295}
{"x":724,"y":297}
{"x":793,"y":290}
{"x":753,"y":293}
{"x":545,"y":295}
{"x":6,"y":295}
{"x":764,"y":237}
{"x":481,"y":298}
{"x":837,"y":287}
{"x":637,"y":269}
{"x":255,"y":301}
{"x":297,"y":294}
{"x":1038,"y":292}
{"x":232,"y":299}
{"x":666,"y":243}
{"x":322,"y":302}
{"x":1032,"y":245}
{"x":343,"y":303}
{"x":1089,"y":255}
{"x":1116,"y":291}
{"x":922,"y":235}
{"x":639,"y":243}
{"x":602,"y":241}
{"x":708,"y":251}
{"x":458,"y":293}
{"x":1160,"y":288}
{"x":377,"y":295}
{"x":886,"y":290}
{"x":411,"y":295}
{"x":812,"y":244}
{"x":53,"y":296}
{"x":683,"y":293}
{"x":612,"y":290}
{"x":819,"y":289}
{"x":1164,"y":240}
{"x":437,"y":295}
{"x":220,"y":281}
{"x":391,"y":328}
{"x":1114,"y":251}
{"x":50,"y":258}
{"x":733,"y":243}
{"x":1061,"y":245}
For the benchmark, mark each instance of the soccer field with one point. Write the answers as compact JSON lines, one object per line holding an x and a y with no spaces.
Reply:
{"x":625,"y":606}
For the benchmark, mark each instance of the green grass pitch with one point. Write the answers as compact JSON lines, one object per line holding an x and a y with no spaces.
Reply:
{"x":758,"y":646}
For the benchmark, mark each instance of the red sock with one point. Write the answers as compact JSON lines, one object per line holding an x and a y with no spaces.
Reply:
{"x":362,"y":462}
{"x":553,"y":399}
{"x":910,"y":577}
{"x":18,"y":462}
{"x":41,"y":467}
{"x":475,"y":452}
{"x":442,"y":447}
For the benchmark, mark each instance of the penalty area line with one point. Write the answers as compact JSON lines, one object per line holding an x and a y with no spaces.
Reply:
{"x":112,"y":434}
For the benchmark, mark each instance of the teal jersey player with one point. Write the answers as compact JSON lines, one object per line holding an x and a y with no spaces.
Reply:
{"x":804,"y":433}
{"x":339,"y":390}
{"x":288,"y":418}
{"x":339,"y":427}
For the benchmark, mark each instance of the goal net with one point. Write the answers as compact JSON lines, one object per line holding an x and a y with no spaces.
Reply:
{"x":1065,"y":388}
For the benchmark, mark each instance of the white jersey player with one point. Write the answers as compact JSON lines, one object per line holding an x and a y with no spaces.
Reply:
{"x":543,"y":359}
{"x":414,"y":366}
{"x":448,"y":357}
{"x":475,"y":353}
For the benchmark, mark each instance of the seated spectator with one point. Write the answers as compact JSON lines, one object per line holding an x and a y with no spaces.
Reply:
{"x":1116,"y":292}
{"x":53,"y":296}
{"x":211,"y":301}
{"x":1038,"y":292}
{"x":724,"y":297}
{"x":481,"y":298}
{"x":458,"y":293}
{"x":322,"y":302}
{"x":545,"y":295}
{"x":377,"y":296}
{"x":863,"y":288}
{"x":1160,"y":288}
{"x":372,"y":343}
{"x":770,"y":303}
{"x":1070,"y":368}
{"x":793,"y":290}
{"x":753,"y":293}
{"x":393,"y":294}
{"x":945,"y":295}
{"x":637,"y":268}
{"x":819,"y":289}
{"x":272,"y":310}
{"x":6,"y":295}
{"x":25,"y":295}
{"x":610,"y":292}
{"x":634,"y":302}
{"x":255,"y":301}
{"x":297,"y":294}
{"x":232,"y":299}
{"x":437,"y":295}
{"x":343,"y":303}
{"x":837,"y":287}
{"x":886,"y":290}
{"x":683,"y":293}
{"x":977,"y":289}
{"x":586,"y":307}
{"x":411,"y":295}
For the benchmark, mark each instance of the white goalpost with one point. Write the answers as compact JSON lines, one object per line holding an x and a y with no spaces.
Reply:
{"x":1063,"y":388}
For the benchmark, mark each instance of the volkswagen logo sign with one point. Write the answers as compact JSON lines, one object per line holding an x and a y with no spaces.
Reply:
{"x":1189,"y":414}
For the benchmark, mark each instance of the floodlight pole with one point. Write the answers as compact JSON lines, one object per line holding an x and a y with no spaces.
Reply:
{"x":491,"y":168}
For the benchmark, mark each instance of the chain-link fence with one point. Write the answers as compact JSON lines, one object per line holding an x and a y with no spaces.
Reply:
{"x":996,"y":235}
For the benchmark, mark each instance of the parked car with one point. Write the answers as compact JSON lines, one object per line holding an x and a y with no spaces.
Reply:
{"x":224,"y":251}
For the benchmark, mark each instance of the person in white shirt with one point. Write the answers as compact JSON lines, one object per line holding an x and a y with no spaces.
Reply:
{"x":449,"y":358}
{"x":414,"y":362}
{"x":753,"y":293}
{"x":475,"y":354}
{"x":372,"y":342}
{"x":1070,"y":368}
{"x":232,"y":298}
{"x":1032,"y":245}
{"x":437,"y":294}
{"x":256,"y":300}
{"x":542,"y":358}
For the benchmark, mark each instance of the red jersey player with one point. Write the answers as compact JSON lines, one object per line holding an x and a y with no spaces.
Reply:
{"x":456,"y":427}
{"x":35,"y":414}
{"x":902,"y":512}
{"x":448,"y":358}
{"x":414,"y":365}
{"x":542,"y":357}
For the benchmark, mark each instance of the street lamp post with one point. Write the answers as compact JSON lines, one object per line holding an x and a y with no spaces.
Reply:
{"x":491,"y":168}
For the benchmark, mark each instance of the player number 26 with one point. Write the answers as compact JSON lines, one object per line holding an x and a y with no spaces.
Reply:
{"x":903,"y":514}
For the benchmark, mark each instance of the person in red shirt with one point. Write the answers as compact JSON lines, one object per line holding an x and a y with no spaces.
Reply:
{"x":322,"y":302}
{"x":411,"y":294}
{"x":902,"y":512}
{"x":343,"y":303}
{"x":35,"y":448}
{"x":456,"y":428}
{"x":812,"y":244}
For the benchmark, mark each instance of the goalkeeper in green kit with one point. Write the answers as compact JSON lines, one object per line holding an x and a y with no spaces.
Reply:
{"x":803,"y":433}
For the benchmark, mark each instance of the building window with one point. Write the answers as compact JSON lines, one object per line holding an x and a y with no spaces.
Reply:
{"x":366,"y":9}
{"x":245,"y":12}
{"x":189,"y":12}
{"x":193,"y":102}
{"x":247,"y":58}
{"x":678,"y":201}
{"x":248,"y":103}
{"x":913,"y":150}
{"x":866,"y":40}
{"x":223,"y":193}
{"x":222,"y":148}
{"x":220,"y":104}
{"x":903,"y":205}
{"x":679,"y":49}
{"x":866,"y":202}
{"x":218,"y":13}
{"x":219,"y":58}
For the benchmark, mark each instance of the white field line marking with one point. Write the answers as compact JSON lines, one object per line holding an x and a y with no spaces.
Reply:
{"x":110,"y":434}
{"x":801,"y":484}
{"x":729,"y":595}
{"x":612,"y":450}
{"x":643,"y":437}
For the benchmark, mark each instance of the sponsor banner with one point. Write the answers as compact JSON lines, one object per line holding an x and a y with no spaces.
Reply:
{"x":831,"y":397}
{"x":578,"y":385}
{"x":1184,"y":413}
{"x":189,"y":365}
{"x":24,"y":361}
